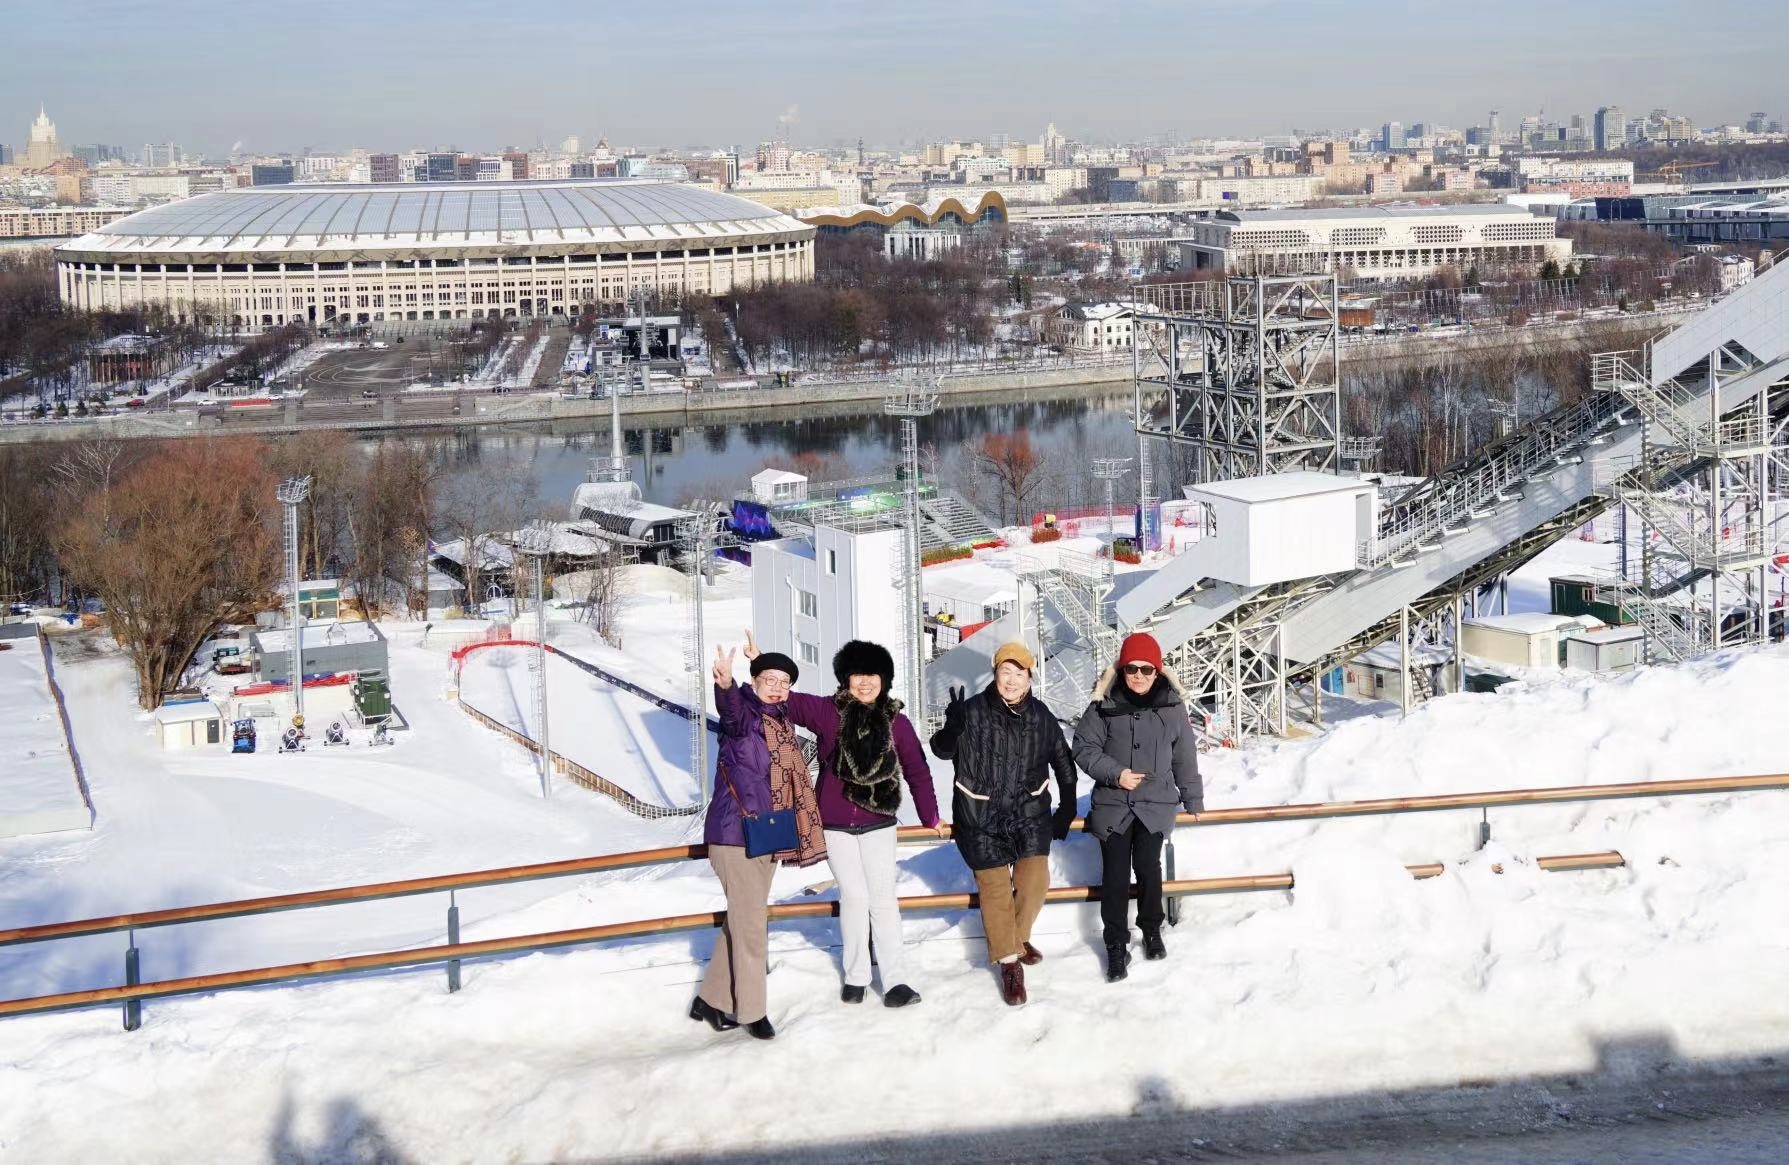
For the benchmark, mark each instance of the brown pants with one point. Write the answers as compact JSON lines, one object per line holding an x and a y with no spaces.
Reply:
{"x":737,"y":969}
{"x":1011,"y":898}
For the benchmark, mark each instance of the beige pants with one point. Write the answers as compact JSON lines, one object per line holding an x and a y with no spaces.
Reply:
{"x":735,"y":982}
{"x":1011,"y":899}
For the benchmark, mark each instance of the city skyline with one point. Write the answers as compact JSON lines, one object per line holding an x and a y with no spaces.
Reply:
{"x":827,"y":77}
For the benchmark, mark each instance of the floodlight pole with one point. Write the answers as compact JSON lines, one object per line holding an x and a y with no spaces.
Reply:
{"x":292,"y":493}
{"x":537,"y":544}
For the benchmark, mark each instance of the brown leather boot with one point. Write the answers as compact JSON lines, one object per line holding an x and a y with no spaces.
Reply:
{"x":1012,"y":983}
{"x":1030,"y":956}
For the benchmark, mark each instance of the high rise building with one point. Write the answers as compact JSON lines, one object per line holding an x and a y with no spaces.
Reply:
{"x":1611,"y":128}
{"x":1494,"y":126}
{"x":384,"y":168}
{"x":42,"y":148}
{"x":5,"y":154}
{"x":1758,"y":122}
{"x":165,"y":155}
{"x":518,"y":163}
{"x":1392,"y":136}
{"x":437,"y":168}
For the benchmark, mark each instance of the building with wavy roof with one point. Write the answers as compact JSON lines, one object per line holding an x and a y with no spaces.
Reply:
{"x":912,"y":230}
{"x":266,"y":256}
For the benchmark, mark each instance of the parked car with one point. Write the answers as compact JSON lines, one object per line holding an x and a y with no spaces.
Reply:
{"x":135,"y":403}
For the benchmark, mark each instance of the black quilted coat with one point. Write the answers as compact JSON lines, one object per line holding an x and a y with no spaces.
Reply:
{"x":1004,"y":759}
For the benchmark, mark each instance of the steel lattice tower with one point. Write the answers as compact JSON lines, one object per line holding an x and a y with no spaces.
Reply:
{"x":1245,"y":371}
{"x":537,"y":543}
{"x":910,"y":404}
{"x":292,"y":493}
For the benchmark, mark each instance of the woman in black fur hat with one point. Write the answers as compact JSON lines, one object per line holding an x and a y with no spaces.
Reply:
{"x":868,"y":748}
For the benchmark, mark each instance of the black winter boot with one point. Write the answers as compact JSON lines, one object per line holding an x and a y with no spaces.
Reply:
{"x":1152,"y":943}
{"x":1118,"y":960}
{"x":851,"y":994}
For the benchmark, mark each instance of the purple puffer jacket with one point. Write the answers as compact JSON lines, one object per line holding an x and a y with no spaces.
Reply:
{"x":819,"y":715}
{"x":744,"y":759}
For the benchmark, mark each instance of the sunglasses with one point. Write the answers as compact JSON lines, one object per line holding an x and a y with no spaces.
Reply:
{"x":1139,"y":669}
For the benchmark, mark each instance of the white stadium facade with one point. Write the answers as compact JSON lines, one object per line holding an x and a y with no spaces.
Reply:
{"x":357,"y":254}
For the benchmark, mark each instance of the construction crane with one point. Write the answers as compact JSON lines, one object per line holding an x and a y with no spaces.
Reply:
{"x":1673,"y":171}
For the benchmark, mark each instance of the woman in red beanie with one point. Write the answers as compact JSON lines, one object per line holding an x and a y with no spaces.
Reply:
{"x":1137,"y":744}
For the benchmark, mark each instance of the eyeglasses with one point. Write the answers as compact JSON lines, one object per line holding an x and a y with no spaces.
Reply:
{"x":773,"y":680}
{"x":1139,"y":669}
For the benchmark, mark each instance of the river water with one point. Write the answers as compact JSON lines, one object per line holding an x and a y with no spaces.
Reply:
{"x":673,"y":461}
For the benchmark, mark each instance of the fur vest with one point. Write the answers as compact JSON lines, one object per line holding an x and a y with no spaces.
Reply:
{"x":868,"y":771}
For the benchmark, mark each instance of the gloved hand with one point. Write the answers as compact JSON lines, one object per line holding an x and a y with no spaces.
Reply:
{"x":957,"y":711}
{"x":1062,"y":819}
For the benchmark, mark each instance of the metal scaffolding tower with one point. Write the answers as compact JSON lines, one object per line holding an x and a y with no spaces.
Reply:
{"x":1701,"y":489}
{"x":536,"y":542}
{"x":292,"y":493}
{"x":1244,"y":371}
{"x":910,"y":403}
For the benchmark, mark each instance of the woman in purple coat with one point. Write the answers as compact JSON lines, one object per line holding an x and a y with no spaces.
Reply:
{"x":761,"y":768}
{"x":867,"y":749}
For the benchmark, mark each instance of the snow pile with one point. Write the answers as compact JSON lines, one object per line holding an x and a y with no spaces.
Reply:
{"x":1359,"y":979}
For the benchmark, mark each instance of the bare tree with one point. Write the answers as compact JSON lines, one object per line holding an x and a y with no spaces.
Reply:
{"x":180,"y":543}
{"x":489,"y":499}
{"x":1015,"y":468}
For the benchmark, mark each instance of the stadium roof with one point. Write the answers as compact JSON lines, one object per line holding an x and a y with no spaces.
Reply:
{"x":437,"y":214}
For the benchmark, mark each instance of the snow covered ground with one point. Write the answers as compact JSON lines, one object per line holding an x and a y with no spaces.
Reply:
{"x":1359,"y":980}
{"x":39,"y":790}
{"x":612,"y":732}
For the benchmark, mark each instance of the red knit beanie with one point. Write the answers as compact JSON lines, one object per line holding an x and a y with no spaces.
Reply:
{"x":1140,"y":648}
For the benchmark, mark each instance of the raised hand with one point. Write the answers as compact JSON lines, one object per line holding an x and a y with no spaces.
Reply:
{"x":723,"y":667}
{"x":751,"y":645}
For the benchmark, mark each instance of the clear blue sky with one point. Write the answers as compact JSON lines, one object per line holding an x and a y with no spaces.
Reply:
{"x":391,"y":74}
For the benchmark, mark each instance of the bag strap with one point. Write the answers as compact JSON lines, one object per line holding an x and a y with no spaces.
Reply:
{"x":722,"y":767}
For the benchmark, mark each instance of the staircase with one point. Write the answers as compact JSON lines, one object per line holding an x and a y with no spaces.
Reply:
{"x":1678,"y":519}
{"x":1674,"y":631}
{"x":947,"y":520}
{"x":1682,"y":412}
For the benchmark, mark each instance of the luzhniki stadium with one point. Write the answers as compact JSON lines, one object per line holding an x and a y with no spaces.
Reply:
{"x":270,"y":255}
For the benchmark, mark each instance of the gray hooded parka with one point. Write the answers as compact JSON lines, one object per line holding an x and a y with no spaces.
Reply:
{"x":1151,"y":736}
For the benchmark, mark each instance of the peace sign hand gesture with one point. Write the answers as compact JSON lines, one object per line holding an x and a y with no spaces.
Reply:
{"x":723,"y":667}
{"x":751,"y":645}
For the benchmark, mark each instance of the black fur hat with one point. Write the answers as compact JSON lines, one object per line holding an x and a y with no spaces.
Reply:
{"x":862,"y":658}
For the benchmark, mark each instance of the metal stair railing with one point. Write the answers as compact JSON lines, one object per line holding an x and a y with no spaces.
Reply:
{"x":1676,"y":517}
{"x":1074,"y":607}
{"x":1451,"y":504}
{"x":1680,"y":410}
{"x":1679,"y":631}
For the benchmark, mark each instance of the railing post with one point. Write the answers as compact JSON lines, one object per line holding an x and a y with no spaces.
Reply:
{"x":453,"y":937}
{"x":133,"y":1008}
{"x":1484,"y":828}
{"x":1172,"y":909}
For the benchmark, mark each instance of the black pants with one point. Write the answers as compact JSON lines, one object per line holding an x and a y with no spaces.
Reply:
{"x":1125,"y":850}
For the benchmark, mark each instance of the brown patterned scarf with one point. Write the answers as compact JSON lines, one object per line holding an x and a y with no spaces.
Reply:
{"x":790,"y":788}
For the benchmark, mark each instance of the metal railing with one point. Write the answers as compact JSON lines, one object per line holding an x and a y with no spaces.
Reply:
{"x":132,"y":992}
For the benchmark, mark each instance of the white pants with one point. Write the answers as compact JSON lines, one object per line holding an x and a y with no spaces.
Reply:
{"x":863,"y":864}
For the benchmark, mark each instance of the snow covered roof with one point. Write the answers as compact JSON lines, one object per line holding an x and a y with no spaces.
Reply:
{"x":1526,"y":622}
{"x":1097,"y":311}
{"x":317,"y":635}
{"x":622,"y":498}
{"x":1278,"y":486}
{"x":187,"y":712}
{"x":775,"y":477}
{"x":407,"y":215}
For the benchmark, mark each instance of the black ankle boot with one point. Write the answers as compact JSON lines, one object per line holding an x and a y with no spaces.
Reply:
{"x":851,"y":994}
{"x":1118,"y":960}
{"x":760,"y":1029}
{"x":1152,"y":943}
{"x":720,"y":1021}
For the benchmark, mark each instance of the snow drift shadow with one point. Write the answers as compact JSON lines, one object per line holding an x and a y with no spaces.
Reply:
{"x":1638,"y":1077}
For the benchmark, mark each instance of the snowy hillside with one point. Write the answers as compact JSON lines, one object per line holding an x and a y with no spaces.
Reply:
{"x":1359,"y":979}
